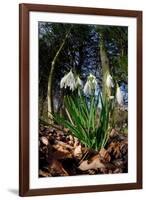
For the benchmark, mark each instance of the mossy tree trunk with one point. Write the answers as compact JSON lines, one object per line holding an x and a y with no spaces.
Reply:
{"x":104,"y":63}
{"x":106,"y":92}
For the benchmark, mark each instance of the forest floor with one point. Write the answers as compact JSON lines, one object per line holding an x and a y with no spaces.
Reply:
{"x":61,"y":154}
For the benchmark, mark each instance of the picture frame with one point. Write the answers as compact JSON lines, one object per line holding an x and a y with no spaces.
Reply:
{"x":25,"y":91}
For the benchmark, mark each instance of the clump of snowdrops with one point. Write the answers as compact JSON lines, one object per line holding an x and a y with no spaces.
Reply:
{"x":88,"y":113}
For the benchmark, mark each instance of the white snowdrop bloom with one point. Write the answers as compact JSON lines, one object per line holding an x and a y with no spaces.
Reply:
{"x":68,"y":81}
{"x":90,"y":85}
{"x":119,"y":96}
{"x":109,"y":81}
{"x":91,"y":77}
{"x":93,"y":81}
{"x":87,"y":88}
{"x":79,"y":82}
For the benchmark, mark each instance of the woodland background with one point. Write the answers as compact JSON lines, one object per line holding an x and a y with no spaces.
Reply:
{"x":83,"y":48}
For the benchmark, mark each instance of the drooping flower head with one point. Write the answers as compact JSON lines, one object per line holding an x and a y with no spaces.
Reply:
{"x":68,"y":81}
{"x":79,"y":83}
{"x":109,"y":81}
{"x":90,"y":85}
{"x":119,"y":96}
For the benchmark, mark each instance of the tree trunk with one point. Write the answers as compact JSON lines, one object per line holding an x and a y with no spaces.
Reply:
{"x":105,"y":65}
{"x":49,"y":96}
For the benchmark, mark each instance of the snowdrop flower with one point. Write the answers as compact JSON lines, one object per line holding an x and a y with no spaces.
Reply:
{"x":68,"y":81}
{"x":79,"y":82}
{"x":109,"y":81}
{"x":90,"y":85}
{"x":87,"y":88}
{"x":119,"y":96}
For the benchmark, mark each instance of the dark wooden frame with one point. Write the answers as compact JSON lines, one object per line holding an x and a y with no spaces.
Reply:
{"x":24,"y":10}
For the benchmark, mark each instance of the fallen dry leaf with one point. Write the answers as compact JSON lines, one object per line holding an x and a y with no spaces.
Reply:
{"x":118,"y":163}
{"x":43,"y":173}
{"x":114,"y":149}
{"x":105,"y":155}
{"x":56,"y":168}
{"x":77,"y":151}
{"x":94,"y":164}
{"x":62,"y":150}
{"x":44,"y":140}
